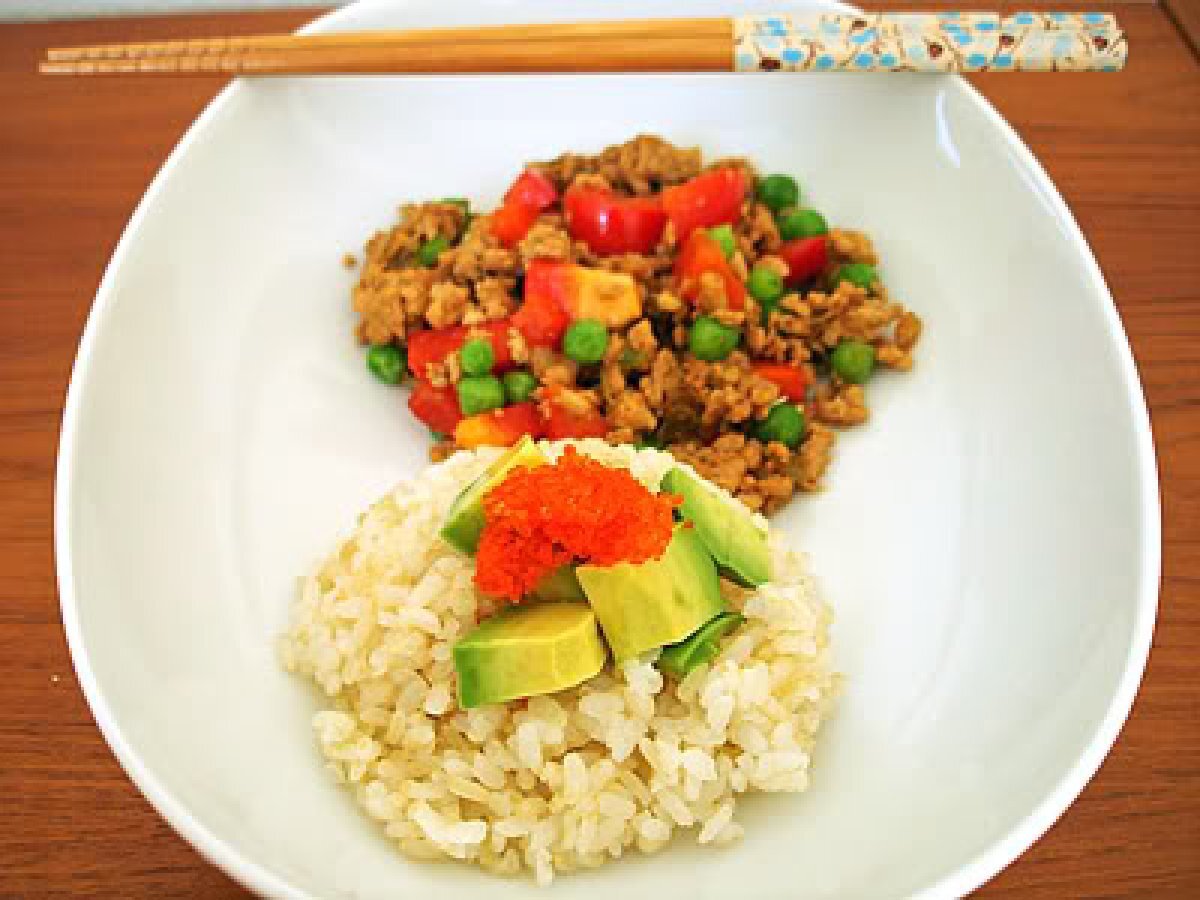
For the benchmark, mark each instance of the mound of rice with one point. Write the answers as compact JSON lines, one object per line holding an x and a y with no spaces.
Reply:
{"x":556,"y":782}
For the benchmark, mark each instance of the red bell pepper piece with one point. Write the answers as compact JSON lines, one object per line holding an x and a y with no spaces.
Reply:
{"x":531,"y":193}
{"x":437,"y":407}
{"x":805,"y":257}
{"x":532,"y":188}
{"x":498,"y":427}
{"x":558,"y":293}
{"x":793,"y":381}
{"x":711,"y":198}
{"x":434,"y":345}
{"x":561,"y":423}
{"x":542,"y":318}
{"x":510,"y":223}
{"x":701,"y":254}
{"x":610,"y":224}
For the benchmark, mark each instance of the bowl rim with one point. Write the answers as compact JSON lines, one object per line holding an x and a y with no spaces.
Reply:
{"x":967,"y":877}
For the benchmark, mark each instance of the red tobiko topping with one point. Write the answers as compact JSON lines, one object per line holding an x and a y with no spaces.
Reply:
{"x":575,"y":511}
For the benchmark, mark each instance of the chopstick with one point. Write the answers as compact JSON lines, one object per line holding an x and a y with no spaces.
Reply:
{"x":627,"y":29}
{"x":892,"y":42}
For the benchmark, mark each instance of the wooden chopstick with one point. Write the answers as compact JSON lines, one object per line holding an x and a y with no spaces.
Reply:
{"x":904,"y":42}
{"x":576,"y":55}
{"x":636,"y":29}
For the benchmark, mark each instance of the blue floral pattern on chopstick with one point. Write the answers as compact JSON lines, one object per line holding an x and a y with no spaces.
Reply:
{"x":930,"y":42}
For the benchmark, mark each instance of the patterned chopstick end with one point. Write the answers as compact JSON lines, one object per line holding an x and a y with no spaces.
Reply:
{"x":930,"y":42}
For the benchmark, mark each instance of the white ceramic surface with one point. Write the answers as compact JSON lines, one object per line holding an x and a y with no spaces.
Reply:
{"x":990,"y":542}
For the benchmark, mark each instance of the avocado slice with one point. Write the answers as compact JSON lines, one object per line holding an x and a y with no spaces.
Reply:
{"x":728,"y":529}
{"x":539,"y":648}
{"x":464,"y":522}
{"x":702,"y":647}
{"x":561,"y":584}
{"x":644,"y":606}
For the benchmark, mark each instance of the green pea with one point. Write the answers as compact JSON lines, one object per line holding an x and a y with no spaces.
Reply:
{"x":477,"y":357}
{"x":387,"y":362}
{"x":710,"y":341}
{"x":723,"y":235}
{"x":784,"y":423}
{"x":519,"y":385}
{"x":765,"y":286}
{"x":479,"y":393}
{"x":853,"y":361}
{"x":429,"y":251}
{"x":778,"y":192}
{"x":585,"y":341}
{"x":859,"y":274}
{"x":649,"y":441}
{"x":801,"y":223}
{"x":437,"y":436}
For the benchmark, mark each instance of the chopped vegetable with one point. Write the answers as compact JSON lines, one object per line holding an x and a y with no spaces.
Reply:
{"x":465,"y":519}
{"x":586,"y":341}
{"x":860,"y":274}
{"x":435,"y":345}
{"x":436,"y":407}
{"x":792,"y":380}
{"x":519,"y":385}
{"x":711,"y":198}
{"x":562,"y":421}
{"x":778,"y":192}
{"x":608,"y":297}
{"x":646,"y":605}
{"x":529,"y":195}
{"x":428,"y":252}
{"x":765,"y":286}
{"x":499,"y":427}
{"x":461,"y":202}
{"x":784,"y":423}
{"x":528,"y":651}
{"x":702,"y":647}
{"x":543,"y":317}
{"x":801,"y":223}
{"x":609,"y":224}
{"x":387,"y":363}
{"x":561,"y":584}
{"x":576,"y":509}
{"x":853,"y":361}
{"x":805,"y":257}
{"x":556,"y":293}
{"x":723,"y":235}
{"x":479,"y":393}
{"x":729,"y":531}
{"x":561,"y":424}
{"x":701,"y":254}
{"x":477,"y":357}
{"x":710,"y":341}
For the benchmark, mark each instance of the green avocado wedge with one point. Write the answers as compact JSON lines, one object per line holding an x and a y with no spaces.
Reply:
{"x":727,"y":529}
{"x":528,"y":650}
{"x":561,"y":584}
{"x":648,"y":605}
{"x":702,"y":647}
{"x":464,"y":523}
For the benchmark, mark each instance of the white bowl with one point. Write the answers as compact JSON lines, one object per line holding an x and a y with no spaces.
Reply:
{"x":990,"y":542}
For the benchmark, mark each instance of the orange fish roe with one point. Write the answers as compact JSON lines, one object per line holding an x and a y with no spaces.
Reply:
{"x":577,"y":510}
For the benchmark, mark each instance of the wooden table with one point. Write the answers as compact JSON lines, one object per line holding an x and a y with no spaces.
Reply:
{"x":74,"y":159}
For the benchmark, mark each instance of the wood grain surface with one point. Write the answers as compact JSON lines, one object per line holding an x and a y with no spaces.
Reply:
{"x":76,"y":156}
